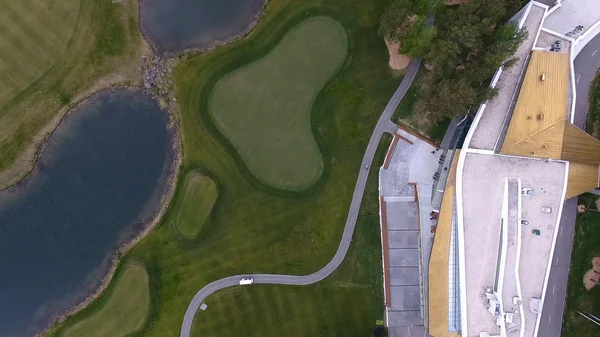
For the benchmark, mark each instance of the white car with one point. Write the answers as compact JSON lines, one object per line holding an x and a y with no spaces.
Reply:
{"x":246,"y":281}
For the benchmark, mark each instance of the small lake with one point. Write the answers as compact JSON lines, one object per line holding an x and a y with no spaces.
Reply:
{"x":99,"y":179}
{"x":176,"y":25}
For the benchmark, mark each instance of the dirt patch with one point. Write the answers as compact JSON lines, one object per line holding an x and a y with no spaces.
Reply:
{"x":397,"y":60}
{"x":592,"y":276}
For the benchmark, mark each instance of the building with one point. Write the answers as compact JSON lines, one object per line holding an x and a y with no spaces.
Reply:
{"x":503,"y":199}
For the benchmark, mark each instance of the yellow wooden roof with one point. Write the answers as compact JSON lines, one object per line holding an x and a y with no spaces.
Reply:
{"x":582,"y":178}
{"x":579,"y":146}
{"x":438,"y":262}
{"x":547,"y":143}
{"x":541,"y":103}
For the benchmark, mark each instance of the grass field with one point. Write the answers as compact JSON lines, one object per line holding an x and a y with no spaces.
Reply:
{"x":124,"y":311}
{"x":257,"y":228}
{"x":341,"y":305}
{"x":593,"y":116}
{"x":264,"y":108}
{"x":585,"y":247}
{"x":52,"y":54}
{"x":33,"y":35}
{"x":199,"y":196}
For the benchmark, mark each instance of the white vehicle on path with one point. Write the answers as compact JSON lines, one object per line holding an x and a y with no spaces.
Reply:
{"x":246,"y":281}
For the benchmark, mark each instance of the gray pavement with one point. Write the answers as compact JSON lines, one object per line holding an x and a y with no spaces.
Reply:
{"x":383,"y":125}
{"x":556,"y":292}
{"x":586,"y":64}
{"x":550,"y":3}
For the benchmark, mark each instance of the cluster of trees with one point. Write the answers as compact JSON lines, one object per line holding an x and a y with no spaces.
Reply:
{"x":465,"y":46}
{"x":404,"y":21}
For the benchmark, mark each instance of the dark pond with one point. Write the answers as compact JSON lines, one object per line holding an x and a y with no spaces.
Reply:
{"x":175,"y":25}
{"x":98,"y":180}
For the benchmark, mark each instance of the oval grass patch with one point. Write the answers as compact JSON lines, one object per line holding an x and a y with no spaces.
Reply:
{"x":199,"y":196}
{"x":264,"y":107}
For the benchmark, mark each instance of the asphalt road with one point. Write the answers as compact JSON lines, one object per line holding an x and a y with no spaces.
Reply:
{"x":550,"y":3}
{"x":383,"y":125}
{"x":586,"y":64}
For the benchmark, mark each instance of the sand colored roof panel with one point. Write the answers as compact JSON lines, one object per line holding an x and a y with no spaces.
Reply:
{"x":544,"y":144}
{"x":579,"y":146}
{"x":582,"y":178}
{"x":541,"y":103}
{"x":438,"y":262}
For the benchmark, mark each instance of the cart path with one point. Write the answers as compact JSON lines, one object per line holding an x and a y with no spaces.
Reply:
{"x":383,"y":125}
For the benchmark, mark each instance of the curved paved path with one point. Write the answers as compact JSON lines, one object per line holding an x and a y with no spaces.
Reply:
{"x":383,"y":125}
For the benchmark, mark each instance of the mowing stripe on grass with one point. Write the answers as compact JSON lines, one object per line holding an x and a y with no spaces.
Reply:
{"x":22,"y":27}
{"x":33,"y":33}
{"x":264,"y":107}
{"x":20,"y":45}
{"x":35,"y":17}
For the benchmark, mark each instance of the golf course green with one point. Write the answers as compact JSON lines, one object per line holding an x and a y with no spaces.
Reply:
{"x":200,"y":194}
{"x":264,"y":107}
{"x":255,"y":226}
{"x":124,"y":311}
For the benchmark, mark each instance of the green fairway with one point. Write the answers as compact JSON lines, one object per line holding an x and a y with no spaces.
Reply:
{"x":199,"y":196}
{"x":586,"y":246}
{"x":254,"y":228}
{"x":123,"y":312}
{"x":336,"y":306}
{"x":51,"y":54}
{"x":33,"y":35}
{"x":264,"y":108}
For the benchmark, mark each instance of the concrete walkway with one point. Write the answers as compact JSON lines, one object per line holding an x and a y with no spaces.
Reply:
{"x":405,"y":184}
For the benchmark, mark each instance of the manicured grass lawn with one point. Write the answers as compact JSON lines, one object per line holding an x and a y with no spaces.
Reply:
{"x":593,"y":116}
{"x":264,"y":107}
{"x":586,"y":246}
{"x":254,"y":227}
{"x":345,"y":304}
{"x":51,"y":53}
{"x":124,"y":311}
{"x":199,"y":196}
{"x":34,"y":33}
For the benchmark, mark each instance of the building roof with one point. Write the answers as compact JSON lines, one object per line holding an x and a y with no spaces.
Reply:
{"x":539,"y":127}
{"x":582,"y":178}
{"x":541,"y":104}
{"x":439,"y":261}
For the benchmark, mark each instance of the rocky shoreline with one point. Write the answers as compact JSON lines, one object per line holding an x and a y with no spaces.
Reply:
{"x":158,"y":82}
{"x":199,"y":50}
{"x":168,"y":187}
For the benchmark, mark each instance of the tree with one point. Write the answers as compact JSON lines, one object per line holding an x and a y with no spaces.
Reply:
{"x":402,"y":18}
{"x":396,"y":20}
{"x":447,"y":98}
{"x":444,"y":54}
{"x":419,"y":39}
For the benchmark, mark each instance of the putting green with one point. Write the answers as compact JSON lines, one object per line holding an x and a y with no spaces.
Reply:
{"x":264,"y":107}
{"x":125,"y":310}
{"x":200,"y":194}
